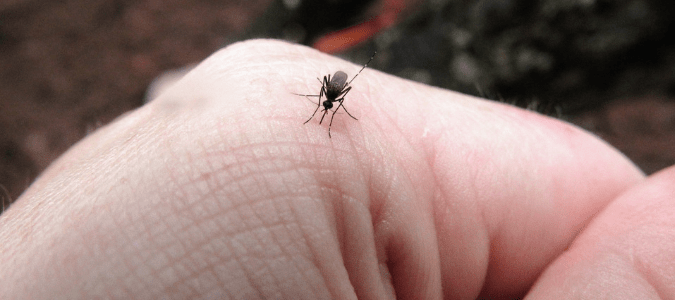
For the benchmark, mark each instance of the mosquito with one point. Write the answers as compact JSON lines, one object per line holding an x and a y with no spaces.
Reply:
{"x":334,"y":89}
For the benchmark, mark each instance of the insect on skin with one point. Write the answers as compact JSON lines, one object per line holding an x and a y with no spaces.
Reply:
{"x":334,"y":89}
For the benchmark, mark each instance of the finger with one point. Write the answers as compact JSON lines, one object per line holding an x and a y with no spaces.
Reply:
{"x":625,"y":253}
{"x":513,"y":197}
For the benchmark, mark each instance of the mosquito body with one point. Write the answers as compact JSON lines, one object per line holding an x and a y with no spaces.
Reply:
{"x":335,"y":89}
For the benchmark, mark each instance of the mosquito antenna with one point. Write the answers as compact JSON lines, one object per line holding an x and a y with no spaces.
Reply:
{"x":364,"y":66}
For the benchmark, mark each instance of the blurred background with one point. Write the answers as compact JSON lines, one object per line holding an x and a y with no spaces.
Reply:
{"x":68,"y":67}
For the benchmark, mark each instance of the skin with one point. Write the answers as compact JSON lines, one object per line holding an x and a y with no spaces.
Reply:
{"x":216,"y":190}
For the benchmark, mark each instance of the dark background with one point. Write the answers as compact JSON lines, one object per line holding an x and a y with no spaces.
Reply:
{"x":69,"y":67}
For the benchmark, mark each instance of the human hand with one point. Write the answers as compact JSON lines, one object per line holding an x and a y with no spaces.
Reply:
{"x":216,"y":189}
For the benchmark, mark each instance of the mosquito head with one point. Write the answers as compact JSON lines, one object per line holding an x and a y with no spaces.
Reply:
{"x":327,"y":104}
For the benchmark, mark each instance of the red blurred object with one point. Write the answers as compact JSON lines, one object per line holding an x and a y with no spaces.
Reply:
{"x":340,"y":40}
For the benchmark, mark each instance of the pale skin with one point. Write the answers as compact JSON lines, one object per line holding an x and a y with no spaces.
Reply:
{"x":217,"y":190}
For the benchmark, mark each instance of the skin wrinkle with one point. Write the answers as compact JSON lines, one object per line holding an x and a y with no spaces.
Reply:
{"x":616,"y":275}
{"x":344,"y":239}
{"x":264,"y":188}
{"x":398,"y":160}
{"x":254,"y":231}
{"x":430,"y":158}
{"x":267,"y":225}
{"x":306,"y":238}
{"x":240,"y":264}
{"x":287,"y":254}
{"x":502,"y":239}
{"x":195,"y":262}
{"x":375,"y":208}
{"x":335,"y":238}
{"x":361,"y":262}
{"x":339,"y":224}
{"x":188,"y":252}
{"x":89,"y":250}
{"x":647,"y":274}
{"x":293,"y":257}
{"x":445,"y":197}
{"x":330,"y":185}
{"x":643,"y":224}
{"x":157,"y":271}
{"x":136,"y":270}
{"x":203,"y":196}
{"x":237,"y":209}
{"x":238,"y":179}
{"x":70,"y":220}
{"x":219,"y":258}
{"x":239,"y":163}
{"x":211,"y":268}
{"x":440,"y":200}
{"x":70,"y":260}
{"x":326,"y":189}
{"x":262,"y":272}
{"x":128,"y":273}
{"x":389,"y":119}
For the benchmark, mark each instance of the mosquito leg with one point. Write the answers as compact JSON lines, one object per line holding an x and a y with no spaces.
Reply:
{"x":323,"y":86}
{"x":305,"y":95}
{"x":331,"y":121}
{"x":317,"y":109}
{"x":341,"y":100}
{"x":323,"y":91}
{"x":345,"y":91}
{"x":324,"y":114}
{"x":310,"y":100}
{"x":345,"y":108}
